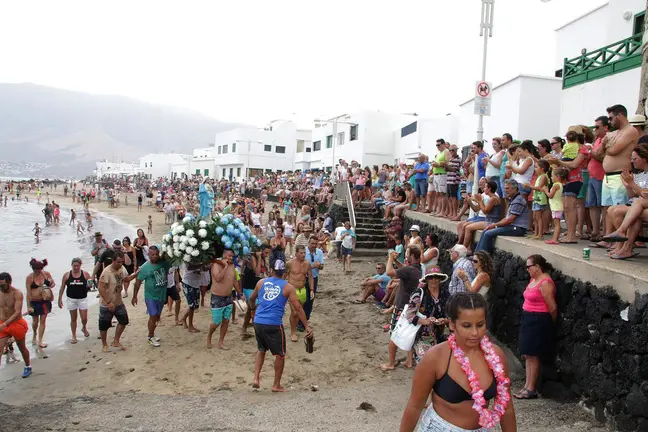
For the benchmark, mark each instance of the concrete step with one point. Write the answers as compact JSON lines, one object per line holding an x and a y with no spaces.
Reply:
{"x":370,"y":252}
{"x":370,"y":230}
{"x":368,"y":244}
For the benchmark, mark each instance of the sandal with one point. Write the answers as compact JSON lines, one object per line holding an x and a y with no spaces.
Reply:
{"x":526,"y":394}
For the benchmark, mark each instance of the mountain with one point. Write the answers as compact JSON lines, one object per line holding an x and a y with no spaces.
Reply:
{"x":46,"y":131}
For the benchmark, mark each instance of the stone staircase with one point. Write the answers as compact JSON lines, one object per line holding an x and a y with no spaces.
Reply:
{"x":370,"y":235}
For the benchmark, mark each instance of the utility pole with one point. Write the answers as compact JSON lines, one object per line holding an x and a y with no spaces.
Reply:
{"x":643,"y":89}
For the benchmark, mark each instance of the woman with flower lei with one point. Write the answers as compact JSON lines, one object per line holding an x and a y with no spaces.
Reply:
{"x":469,"y":376}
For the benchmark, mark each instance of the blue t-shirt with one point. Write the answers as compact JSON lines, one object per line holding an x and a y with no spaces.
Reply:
{"x":401,"y":252}
{"x":384,"y":280}
{"x":481,"y":166}
{"x":422,"y":175}
{"x":503,"y":166}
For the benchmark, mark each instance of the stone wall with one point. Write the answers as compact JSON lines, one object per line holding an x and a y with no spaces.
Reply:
{"x":600,"y":357}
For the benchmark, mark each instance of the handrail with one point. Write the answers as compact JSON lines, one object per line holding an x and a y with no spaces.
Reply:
{"x":610,"y":59}
{"x":349,"y":201}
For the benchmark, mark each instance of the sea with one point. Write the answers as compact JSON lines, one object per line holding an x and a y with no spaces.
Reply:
{"x":59,"y":244}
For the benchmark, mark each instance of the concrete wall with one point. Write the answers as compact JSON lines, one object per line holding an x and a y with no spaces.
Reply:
{"x":424,"y":139}
{"x":159,"y":164}
{"x":583,"y":103}
{"x":539,"y":115}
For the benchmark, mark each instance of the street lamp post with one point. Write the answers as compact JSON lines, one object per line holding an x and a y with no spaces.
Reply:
{"x":486,"y":31}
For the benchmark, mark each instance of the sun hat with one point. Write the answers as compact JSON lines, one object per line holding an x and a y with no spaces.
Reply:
{"x":434,"y":272}
{"x":637,"y":120}
{"x":415,"y":228}
{"x":98,"y":234}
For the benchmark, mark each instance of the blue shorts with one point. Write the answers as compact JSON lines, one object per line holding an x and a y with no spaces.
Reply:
{"x":358,"y":187}
{"x":346,"y":251}
{"x":421,"y":186}
{"x":469,"y":186}
{"x":594,"y":190}
{"x":221,"y":308}
{"x":538,"y":207}
{"x":154,"y":307}
{"x":192,"y":294}
{"x":476,"y":219}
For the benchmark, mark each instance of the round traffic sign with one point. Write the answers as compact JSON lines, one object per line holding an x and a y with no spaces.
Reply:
{"x":483,"y":89}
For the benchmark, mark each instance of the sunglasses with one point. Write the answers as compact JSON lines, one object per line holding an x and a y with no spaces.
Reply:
{"x":529,"y":266}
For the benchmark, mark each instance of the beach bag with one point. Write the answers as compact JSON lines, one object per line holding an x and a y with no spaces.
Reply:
{"x":241,"y":305}
{"x":404,"y":333}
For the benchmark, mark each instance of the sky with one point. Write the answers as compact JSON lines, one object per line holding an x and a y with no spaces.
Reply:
{"x":259,"y":60}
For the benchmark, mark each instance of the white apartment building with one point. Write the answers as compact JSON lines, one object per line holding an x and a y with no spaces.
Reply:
{"x":246,"y":152}
{"x":156,"y":165}
{"x":419,"y":135}
{"x":527,"y":107}
{"x":203,"y":162}
{"x":115,"y":169}
{"x":599,"y":59}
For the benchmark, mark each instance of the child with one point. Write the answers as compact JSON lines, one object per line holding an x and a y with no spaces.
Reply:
{"x":89,"y":220}
{"x":150,"y":225}
{"x":79,"y":228}
{"x":539,"y":197}
{"x":37,"y":231}
{"x":559,"y":178}
{"x":72,"y":217}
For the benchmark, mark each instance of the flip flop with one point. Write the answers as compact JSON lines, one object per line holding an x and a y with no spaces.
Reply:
{"x":552,"y":242}
{"x":526,"y":394}
{"x":356,"y":301}
{"x":615,"y":239}
{"x":617,"y":257}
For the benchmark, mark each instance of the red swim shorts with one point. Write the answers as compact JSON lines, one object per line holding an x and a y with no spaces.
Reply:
{"x":17,"y":330}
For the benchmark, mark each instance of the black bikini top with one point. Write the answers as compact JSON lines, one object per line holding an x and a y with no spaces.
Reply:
{"x":448,"y":389}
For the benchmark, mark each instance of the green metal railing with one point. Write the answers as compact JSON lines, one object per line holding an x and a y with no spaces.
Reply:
{"x":609,"y":60}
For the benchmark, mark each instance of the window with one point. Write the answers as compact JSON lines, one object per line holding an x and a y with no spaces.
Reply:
{"x":151,"y":164}
{"x":353,"y":133}
{"x":219,"y":149}
{"x":308,"y":149}
{"x":145,"y":164}
{"x":300,"y":146}
{"x":639,"y":22}
{"x":223,"y":172}
{"x":329,"y":141}
{"x":238,"y":172}
{"x":206,"y":173}
{"x":267,"y":148}
{"x":409,"y":129}
{"x":225,"y":149}
{"x":317,"y":146}
{"x":197,"y":172}
{"x":231,"y":173}
{"x":280,"y":149}
{"x":233,"y":147}
{"x":340,"y":140}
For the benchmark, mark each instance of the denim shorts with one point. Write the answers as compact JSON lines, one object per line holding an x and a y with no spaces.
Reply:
{"x":572,"y":189}
{"x":538,"y":207}
{"x":421,"y":187}
{"x":154,"y":307}
{"x":594,"y":193}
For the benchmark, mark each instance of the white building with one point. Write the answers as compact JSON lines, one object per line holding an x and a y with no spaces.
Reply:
{"x":527,"y":107}
{"x":203,"y":162}
{"x":115,"y":169}
{"x":420,"y":135}
{"x":246,"y":152}
{"x":156,"y":165}
{"x":599,"y":59}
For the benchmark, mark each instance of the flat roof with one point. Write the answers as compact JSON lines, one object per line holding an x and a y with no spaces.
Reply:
{"x":513,"y":79}
{"x":582,"y":16}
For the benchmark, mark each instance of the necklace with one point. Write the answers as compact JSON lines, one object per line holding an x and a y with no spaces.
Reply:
{"x":487,"y":418}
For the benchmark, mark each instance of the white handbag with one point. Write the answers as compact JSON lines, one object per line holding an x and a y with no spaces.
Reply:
{"x":404,"y":333}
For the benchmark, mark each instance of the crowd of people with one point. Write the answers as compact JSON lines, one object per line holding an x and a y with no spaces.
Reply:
{"x":593,"y":182}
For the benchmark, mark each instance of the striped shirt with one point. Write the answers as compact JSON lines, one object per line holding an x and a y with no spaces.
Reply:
{"x":453,"y":176}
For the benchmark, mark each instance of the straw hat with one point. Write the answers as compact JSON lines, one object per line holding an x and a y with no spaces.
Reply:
{"x":637,"y":120}
{"x":434,"y":272}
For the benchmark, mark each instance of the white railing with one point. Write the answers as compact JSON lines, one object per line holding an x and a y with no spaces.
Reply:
{"x":342,"y":192}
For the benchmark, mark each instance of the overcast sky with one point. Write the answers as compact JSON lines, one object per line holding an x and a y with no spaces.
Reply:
{"x":258,"y":60}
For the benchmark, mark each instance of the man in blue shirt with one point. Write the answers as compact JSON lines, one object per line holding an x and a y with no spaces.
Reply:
{"x":315,"y":257}
{"x":374,"y":285}
{"x":514,"y":224}
{"x":421,"y":170}
{"x":478,"y":149}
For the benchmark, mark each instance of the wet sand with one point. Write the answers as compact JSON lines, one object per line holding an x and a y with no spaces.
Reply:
{"x":184,"y":386}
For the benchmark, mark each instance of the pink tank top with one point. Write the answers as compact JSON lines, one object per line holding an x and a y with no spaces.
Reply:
{"x":533,"y":300}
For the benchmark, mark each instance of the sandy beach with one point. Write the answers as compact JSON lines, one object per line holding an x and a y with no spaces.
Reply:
{"x":184,"y":386}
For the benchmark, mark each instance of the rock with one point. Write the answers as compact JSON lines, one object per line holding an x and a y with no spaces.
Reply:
{"x":82,"y":369}
{"x":634,"y":316}
{"x":637,"y":403}
{"x":128,"y":416}
{"x":641,"y":301}
{"x":314,"y":387}
{"x":131,"y":370}
{"x":366,"y":406}
{"x":557,"y":391}
{"x":642,"y":425}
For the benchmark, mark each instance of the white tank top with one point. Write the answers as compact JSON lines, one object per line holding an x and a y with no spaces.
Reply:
{"x":484,"y":288}
{"x":433,"y":262}
{"x":526,"y":177}
{"x":288,"y":229}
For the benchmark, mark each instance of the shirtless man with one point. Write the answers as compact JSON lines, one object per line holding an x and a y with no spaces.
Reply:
{"x":113,"y":279}
{"x":12,"y":324}
{"x":298,"y":270}
{"x":618,"y":147}
{"x":223,"y":278}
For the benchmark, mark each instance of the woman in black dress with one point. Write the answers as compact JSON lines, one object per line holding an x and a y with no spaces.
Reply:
{"x":140,"y":242}
{"x":129,"y":250}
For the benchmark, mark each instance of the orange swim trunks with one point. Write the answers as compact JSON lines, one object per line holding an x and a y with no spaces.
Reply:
{"x":17,"y":330}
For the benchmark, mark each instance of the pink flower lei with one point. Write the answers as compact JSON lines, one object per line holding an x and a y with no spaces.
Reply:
{"x":487,"y":418}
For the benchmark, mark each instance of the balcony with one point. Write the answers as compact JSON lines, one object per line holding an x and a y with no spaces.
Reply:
{"x":609,"y":60}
